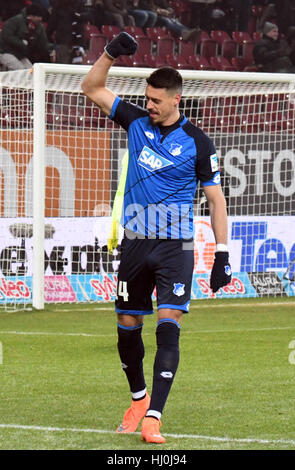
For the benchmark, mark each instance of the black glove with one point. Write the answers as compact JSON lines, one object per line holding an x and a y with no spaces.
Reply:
{"x":123,"y":44}
{"x":221,"y":271}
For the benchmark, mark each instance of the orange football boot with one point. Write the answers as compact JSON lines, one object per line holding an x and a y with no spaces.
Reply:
{"x":134,"y":415}
{"x":150,"y":431}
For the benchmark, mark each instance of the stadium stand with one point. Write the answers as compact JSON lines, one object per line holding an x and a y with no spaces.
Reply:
{"x":211,"y":49}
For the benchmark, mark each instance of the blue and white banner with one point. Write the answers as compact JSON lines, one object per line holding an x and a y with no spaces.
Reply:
{"x":78,"y":266}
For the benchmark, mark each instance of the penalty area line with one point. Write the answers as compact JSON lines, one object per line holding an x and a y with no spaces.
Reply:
{"x":175,"y":436}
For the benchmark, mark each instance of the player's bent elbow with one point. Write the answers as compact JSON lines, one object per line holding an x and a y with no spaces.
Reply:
{"x":95,"y":94}
{"x":86,"y":87}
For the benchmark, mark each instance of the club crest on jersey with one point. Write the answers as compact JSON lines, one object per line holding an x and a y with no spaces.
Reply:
{"x":178,"y":289}
{"x":175,"y":149}
{"x":151,"y":160}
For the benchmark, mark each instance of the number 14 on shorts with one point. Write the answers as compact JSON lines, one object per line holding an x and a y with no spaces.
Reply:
{"x":122,"y":291}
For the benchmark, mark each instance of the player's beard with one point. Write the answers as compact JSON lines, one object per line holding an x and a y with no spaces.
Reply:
{"x":154,"y":120}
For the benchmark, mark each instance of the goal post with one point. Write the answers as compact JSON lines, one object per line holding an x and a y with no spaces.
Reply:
{"x":60,"y":163}
{"x":39,"y":141}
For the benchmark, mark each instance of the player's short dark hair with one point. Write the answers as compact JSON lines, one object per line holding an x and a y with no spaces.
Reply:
{"x":166,"y":77}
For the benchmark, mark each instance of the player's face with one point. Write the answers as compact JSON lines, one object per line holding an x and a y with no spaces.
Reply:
{"x":162,"y":105}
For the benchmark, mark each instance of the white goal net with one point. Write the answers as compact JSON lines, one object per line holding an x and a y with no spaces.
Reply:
{"x":60,"y":163}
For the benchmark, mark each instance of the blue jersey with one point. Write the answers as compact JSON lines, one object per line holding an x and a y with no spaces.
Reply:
{"x":165,"y":165}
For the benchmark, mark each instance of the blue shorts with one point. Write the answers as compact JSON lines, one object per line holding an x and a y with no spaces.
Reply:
{"x":146,"y":264}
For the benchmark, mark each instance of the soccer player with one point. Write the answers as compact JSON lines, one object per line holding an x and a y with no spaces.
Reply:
{"x":168,"y":155}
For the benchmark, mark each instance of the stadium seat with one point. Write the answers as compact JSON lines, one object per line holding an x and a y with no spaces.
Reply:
{"x":248,"y":123}
{"x":221,"y":63}
{"x":124,"y":61}
{"x":202,"y":35}
{"x":241,"y":36}
{"x":238,"y":63}
{"x":89,"y":58}
{"x":178,"y":62}
{"x":199,"y":62}
{"x":97,"y":44}
{"x":256,"y":35}
{"x":138,"y":60}
{"x":247,"y":51}
{"x":144,"y":45}
{"x":153,"y":61}
{"x":208,"y":48}
{"x":219,"y":36}
{"x":89,"y":31}
{"x":219,"y":107}
{"x":165,"y":46}
{"x":289,"y":113}
{"x":90,"y":113}
{"x":229,"y":48}
{"x":271,"y":122}
{"x":134,"y":31}
{"x":110,"y":31}
{"x":186,"y":49}
{"x":222,"y":125}
{"x":156,"y":33}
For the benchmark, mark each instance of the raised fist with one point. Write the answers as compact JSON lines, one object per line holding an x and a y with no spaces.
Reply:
{"x":123,"y":44}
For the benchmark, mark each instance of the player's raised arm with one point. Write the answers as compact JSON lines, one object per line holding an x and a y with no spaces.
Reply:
{"x":94,"y":84}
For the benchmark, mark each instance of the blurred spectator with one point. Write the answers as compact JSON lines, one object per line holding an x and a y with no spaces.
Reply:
{"x":166,"y":19}
{"x":200,"y":11}
{"x":281,"y":12}
{"x":94,"y":9}
{"x":23,"y":40}
{"x":65,"y":28}
{"x":45,"y":6}
{"x":116,"y":13}
{"x":291,"y":39}
{"x":148,"y":8}
{"x":144,"y":18}
{"x":271,"y":52}
{"x":242,"y":12}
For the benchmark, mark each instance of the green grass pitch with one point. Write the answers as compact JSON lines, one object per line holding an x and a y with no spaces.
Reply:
{"x":62,"y":386}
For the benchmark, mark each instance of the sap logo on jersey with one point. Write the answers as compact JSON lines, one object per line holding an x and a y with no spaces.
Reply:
{"x":152,"y":161}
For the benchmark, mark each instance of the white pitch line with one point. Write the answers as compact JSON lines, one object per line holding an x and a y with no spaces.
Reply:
{"x":50,"y":333}
{"x":198,"y":307}
{"x":187,"y":332}
{"x":176,"y":436}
